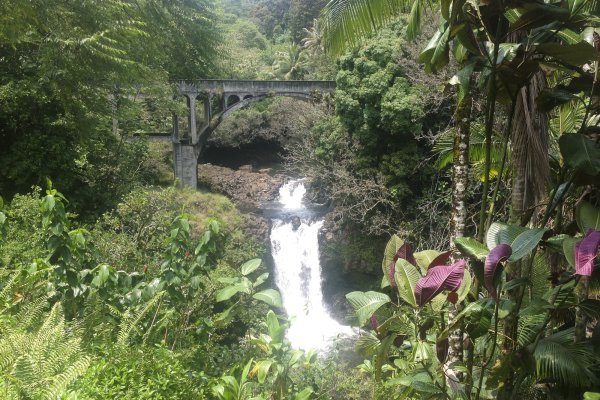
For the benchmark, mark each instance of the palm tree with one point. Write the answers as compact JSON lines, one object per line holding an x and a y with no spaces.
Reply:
{"x":290,"y":64}
{"x":313,"y":39}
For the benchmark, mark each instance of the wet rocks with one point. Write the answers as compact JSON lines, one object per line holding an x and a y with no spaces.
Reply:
{"x":247,"y":189}
{"x":296,"y":222}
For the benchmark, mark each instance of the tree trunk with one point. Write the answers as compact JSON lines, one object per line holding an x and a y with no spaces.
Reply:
{"x":580,"y":317}
{"x":460,"y":183}
{"x":460,"y":169}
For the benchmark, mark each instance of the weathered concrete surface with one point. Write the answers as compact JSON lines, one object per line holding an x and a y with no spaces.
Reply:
{"x":219,"y":86}
{"x":185,"y":160}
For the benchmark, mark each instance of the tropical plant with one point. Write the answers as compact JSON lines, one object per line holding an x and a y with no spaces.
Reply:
{"x":290,"y":64}
{"x":412,"y":331}
{"x":39,"y":357}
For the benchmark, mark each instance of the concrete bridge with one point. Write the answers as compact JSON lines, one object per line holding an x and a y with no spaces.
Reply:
{"x":218,"y":99}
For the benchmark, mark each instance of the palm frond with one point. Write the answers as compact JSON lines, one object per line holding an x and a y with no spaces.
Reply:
{"x":540,"y":275}
{"x":559,"y":358}
{"x":346,"y":22}
{"x":444,"y":146}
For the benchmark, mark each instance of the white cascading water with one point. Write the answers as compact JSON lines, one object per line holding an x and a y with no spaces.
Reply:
{"x":298,"y":275}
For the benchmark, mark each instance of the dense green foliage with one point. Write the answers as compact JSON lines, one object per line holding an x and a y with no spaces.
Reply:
{"x":61,"y":63}
{"x":118,"y":289}
{"x":519,"y":318}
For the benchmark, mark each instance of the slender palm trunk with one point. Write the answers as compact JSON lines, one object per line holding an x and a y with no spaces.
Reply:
{"x":460,"y":184}
{"x":580,"y":318}
{"x":460,"y":169}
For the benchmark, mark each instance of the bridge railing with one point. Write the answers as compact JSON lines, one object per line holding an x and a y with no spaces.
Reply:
{"x":228,"y":86}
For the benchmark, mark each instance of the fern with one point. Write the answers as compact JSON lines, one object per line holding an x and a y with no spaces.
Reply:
{"x":40,"y":363}
{"x":130,"y":322}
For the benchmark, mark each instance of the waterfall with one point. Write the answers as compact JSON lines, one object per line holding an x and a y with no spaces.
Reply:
{"x":295,"y":251}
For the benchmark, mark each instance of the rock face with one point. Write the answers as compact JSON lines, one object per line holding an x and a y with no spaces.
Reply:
{"x":247,"y":189}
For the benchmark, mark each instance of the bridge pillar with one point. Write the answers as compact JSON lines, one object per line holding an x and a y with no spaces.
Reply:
{"x":208,"y":109}
{"x":185,"y":161}
{"x":192,"y":118}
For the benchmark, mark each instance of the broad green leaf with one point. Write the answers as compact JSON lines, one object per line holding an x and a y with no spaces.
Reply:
{"x":261,"y":279}
{"x":228,"y":292}
{"x":463,"y":80}
{"x":512,"y":15}
{"x":102,"y":275}
{"x":465,"y":286}
{"x":437,"y":303}
{"x":588,"y":217}
{"x":245,"y":372}
{"x":427,"y":53}
{"x":569,"y":36}
{"x":550,"y":98}
{"x":500,"y":233}
{"x":479,"y":320}
{"x":574,"y":54}
{"x":591,"y":396}
{"x":276,"y":331}
{"x":556,"y":242}
{"x":251,"y":266}
{"x":425,"y":257}
{"x":505,"y":307}
{"x":525,"y":243}
{"x":414,"y":21}
{"x":569,"y":249}
{"x":463,"y":32}
{"x":580,"y":153}
{"x":228,"y":281}
{"x":476,"y":317}
{"x":536,"y":15}
{"x":304,"y":394}
{"x":296,"y":356}
{"x":471,"y":247}
{"x":223,"y":317}
{"x":366,"y":303}
{"x":195,"y":282}
{"x":406,"y":277}
{"x":422,"y":351}
{"x":440,"y":56}
{"x":269,"y":296}
{"x":391,"y":248}
{"x":261,"y":369}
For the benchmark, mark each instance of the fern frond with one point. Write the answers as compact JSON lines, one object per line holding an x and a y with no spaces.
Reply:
{"x":130,"y":322}
{"x":59,"y":383}
{"x":41,"y":363}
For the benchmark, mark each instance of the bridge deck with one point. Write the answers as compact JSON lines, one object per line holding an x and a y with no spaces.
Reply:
{"x":249,"y":86}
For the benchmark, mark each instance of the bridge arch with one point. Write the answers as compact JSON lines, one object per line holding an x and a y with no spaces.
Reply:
{"x":234,"y":95}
